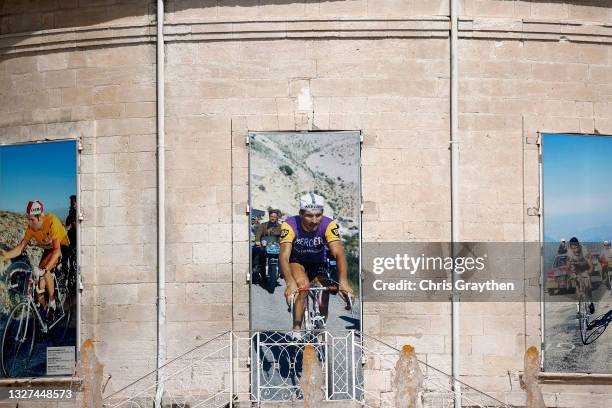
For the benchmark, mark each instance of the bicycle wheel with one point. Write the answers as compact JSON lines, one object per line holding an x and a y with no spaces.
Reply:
{"x":18,"y":341}
{"x":583,"y":311}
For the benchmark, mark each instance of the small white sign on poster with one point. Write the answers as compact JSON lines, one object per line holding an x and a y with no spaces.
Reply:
{"x":60,"y":360}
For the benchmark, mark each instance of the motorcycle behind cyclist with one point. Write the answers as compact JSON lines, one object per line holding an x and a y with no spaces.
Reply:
{"x":265,"y":250}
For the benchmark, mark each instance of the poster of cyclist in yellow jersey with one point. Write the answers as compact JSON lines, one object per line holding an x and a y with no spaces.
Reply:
{"x":305,"y":197}
{"x":577,"y":223}
{"x":38,"y":255}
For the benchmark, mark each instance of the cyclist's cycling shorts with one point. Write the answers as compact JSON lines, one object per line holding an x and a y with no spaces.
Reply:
{"x":64,"y":255}
{"x":314,"y":269}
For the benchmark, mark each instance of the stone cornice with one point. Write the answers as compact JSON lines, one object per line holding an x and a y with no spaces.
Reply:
{"x":531,"y":29}
{"x":213,"y":30}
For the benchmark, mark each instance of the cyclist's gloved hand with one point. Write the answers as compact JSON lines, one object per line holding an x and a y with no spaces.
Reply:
{"x":37,"y":272}
{"x":346,"y":290}
{"x":290,"y":291}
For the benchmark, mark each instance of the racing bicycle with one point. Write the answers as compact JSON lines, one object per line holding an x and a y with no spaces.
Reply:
{"x":584,"y":314}
{"x":313,"y":321}
{"x":20,"y":332}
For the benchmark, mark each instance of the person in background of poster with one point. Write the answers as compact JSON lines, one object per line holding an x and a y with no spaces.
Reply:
{"x":71,"y":222}
{"x":49,"y":234}
{"x":305,"y":241}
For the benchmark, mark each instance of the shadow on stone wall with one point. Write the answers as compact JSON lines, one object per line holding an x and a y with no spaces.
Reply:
{"x":19,"y":16}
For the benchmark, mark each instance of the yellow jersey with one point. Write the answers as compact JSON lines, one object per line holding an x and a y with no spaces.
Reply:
{"x":52,"y":229}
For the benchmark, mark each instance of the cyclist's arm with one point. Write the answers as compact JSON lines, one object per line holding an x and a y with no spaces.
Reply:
{"x":14,"y":252}
{"x":283,"y":260}
{"x":53,"y":258}
{"x":337,"y":250}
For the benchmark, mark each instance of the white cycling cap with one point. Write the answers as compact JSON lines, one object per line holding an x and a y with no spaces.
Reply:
{"x":35,"y":208}
{"x":312,"y":201}
{"x":606,"y":243}
{"x":562,"y":239}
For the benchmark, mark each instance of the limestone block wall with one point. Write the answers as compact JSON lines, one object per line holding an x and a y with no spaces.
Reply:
{"x":509,"y":91}
{"x":17,"y":16}
{"x":576,"y":10}
{"x":105,"y":97}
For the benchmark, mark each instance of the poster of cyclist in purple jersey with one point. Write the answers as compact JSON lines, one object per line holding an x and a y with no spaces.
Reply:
{"x":577,"y":260}
{"x":38,"y":255}
{"x":304,"y":200}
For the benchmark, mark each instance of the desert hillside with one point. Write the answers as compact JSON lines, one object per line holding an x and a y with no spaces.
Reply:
{"x":284,"y":168}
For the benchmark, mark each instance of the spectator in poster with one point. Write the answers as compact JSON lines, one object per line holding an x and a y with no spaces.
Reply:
{"x":49,"y":234}
{"x":71,"y":222}
{"x":562,"y":247}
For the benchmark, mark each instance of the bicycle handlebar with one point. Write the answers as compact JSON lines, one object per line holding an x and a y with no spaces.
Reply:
{"x":332,"y":288}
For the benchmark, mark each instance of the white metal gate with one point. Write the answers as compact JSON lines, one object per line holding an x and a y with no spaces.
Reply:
{"x":237,"y":368}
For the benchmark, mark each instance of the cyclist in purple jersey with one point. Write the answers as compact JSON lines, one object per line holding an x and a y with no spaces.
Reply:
{"x":305,"y":241}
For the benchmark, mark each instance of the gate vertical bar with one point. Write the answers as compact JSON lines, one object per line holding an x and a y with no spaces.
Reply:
{"x":353,"y":371}
{"x":326,"y":364}
{"x":258,"y":379}
{"x":231,"y":370}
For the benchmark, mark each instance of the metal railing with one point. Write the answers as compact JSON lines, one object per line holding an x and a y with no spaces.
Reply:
{"x":266,"y":367}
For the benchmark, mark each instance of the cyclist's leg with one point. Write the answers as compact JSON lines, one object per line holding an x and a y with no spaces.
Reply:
{"x":588,"y":287}
{"x":324,"y":304}
{"x":50,"y":285}
{"x":41,"y":288}
{"x":301,"y":279}
{"x":48,"y":277}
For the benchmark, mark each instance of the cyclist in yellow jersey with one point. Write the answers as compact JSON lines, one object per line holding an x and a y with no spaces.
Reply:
{"x":306,"y":240}
{"x":51,"y":236}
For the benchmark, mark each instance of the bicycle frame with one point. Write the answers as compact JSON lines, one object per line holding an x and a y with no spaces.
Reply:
{"x":32,"y":304}
{"x":315,"y":294}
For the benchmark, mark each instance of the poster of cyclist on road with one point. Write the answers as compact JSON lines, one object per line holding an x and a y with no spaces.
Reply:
{"x":577,"y":192}
{"x":304,"y":191}
{"x":38,"y":187}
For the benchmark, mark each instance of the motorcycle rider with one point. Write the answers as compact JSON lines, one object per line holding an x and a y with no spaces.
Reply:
{"x":305,"y":240}
{"x":271,"y":228}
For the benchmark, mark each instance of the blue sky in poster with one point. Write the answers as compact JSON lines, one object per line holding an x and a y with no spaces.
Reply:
{"x":577,"y":182}
{"x":46,"y":171}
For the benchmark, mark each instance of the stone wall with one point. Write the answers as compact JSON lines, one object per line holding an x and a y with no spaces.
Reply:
{"x":106,"y":97}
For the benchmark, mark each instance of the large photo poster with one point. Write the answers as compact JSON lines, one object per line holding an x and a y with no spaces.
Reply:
{"x":305,"y":200}
{"x":577,"y":192}
{"x":38,"y":255}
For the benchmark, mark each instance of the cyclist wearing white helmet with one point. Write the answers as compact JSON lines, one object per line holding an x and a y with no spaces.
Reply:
{"x":305,"y":242}
{"x":51,"y":236}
